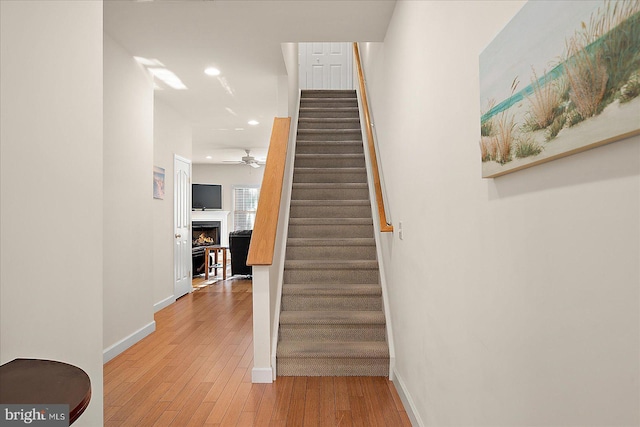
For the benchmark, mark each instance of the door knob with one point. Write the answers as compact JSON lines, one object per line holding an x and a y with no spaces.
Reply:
{"x":178,"y":236}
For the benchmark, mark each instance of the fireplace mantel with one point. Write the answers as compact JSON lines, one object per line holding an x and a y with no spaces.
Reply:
{"x":214,"y":216}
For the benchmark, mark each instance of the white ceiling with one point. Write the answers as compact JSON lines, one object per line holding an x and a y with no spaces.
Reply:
{"x":242,"y":39}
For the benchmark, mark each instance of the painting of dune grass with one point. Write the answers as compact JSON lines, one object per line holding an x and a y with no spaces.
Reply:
{"x":560,"y":78}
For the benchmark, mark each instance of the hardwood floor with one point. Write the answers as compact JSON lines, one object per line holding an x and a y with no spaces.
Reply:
{"x":195,"y":370}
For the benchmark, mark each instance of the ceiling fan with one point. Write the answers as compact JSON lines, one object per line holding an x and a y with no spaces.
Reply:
{"x":248,"y":160}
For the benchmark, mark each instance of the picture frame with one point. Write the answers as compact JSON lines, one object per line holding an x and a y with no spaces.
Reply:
{"x":562,"y":77}
{"x":158,"y":182}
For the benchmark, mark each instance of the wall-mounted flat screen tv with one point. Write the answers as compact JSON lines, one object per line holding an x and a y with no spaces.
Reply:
{"x":206,"y":196}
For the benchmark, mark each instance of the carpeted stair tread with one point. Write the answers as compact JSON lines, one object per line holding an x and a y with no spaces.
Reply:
{"x":330,"y":156}
{"x":329,"y":170}
{"x":354,"y":142}
{"x":330,"y":221}
{"x":330,"y":202}
{"x":328,"y":112}
{"x":310,"y":93}
{"x":339,"y":241}
{"x":323,"y":349}
{"x":312,"y":99}
{"x":331,"y":289}
{"x":321,"y":131}
{"x":330,"y":160}
{"x":327,"y":317}
{"x":331,"y":264}
{"x":332,"y":185}
{"x":328,"y":109}
{"x":329,"y":119}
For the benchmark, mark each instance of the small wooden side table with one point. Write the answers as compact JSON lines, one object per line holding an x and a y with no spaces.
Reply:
{"x":215,"y":266}
{"x":41,"y":382}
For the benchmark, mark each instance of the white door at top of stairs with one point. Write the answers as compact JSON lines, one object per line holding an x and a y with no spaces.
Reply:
{"x":326,"y":65}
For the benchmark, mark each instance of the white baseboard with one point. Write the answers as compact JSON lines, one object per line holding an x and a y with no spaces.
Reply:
{"x":127,"y":342}
{"x":164,"y":303}
{"x":262,"y":375}
{"x":409,"y":406}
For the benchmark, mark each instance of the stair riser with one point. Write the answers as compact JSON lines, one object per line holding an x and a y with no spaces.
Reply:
{"x":329,"y":162}
{"x":328,"y":124}
{"x":307,"y":148}
{"x":339,"y":333}
{"x":329,"y":114}
{"x":356,"y":211}
{"x":344,"y":135}
{"x":331,"y":252}
{"x":330,"y":194}
{"x":330,"y":231}
{"x":327,"y":103}
{"x":331,"y":276}
{"x":324,"y":303}
{"x":315,"y":367}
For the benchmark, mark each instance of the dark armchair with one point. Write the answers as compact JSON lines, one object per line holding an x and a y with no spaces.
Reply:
{"x":239,"y":248}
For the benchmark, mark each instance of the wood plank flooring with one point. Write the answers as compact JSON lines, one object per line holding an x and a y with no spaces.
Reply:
{"x":195,"y":370}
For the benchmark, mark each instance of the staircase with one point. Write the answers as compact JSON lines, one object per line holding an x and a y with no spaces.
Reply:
{"x":332,"y":322}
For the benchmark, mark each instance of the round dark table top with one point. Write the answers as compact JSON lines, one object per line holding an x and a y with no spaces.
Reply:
{"x":35,"y":381}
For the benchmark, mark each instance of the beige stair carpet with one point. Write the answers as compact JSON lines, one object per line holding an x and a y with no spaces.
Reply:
{"x":332,"y":320}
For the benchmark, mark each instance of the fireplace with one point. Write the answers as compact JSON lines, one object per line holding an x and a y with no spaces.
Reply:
{"x":203,"y":234}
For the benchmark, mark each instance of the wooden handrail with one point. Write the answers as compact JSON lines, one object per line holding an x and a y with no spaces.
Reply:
{"x":385,"y":225}
{"x":263,"y":238}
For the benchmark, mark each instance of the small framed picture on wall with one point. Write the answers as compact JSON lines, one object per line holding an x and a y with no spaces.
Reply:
{"x":158,"y":183}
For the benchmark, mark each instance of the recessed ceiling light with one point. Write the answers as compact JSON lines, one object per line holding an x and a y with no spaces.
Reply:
{"x":211,"y":71}
{"x":253,"y":122}
{"x":209,"y":157}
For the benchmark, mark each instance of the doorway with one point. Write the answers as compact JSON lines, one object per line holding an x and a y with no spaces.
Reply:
{"x":182,"y":226}
{"x":326,"y":65}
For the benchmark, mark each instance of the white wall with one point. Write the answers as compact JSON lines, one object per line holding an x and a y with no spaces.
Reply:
{"x":171,"y":135}
{"x":291,"y":59}
{"x":128,"y":192}
{"x":51,"y":186}
{"x":515,"y":301}
{"x":228,"y":176}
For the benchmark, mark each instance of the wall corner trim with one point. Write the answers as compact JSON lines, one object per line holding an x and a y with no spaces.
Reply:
{"x":127,"y":342}
{"x":262,"y":375}
{"x":409,"y":406}
{"x":164,"y":303}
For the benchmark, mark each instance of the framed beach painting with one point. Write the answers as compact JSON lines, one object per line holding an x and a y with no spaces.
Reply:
{"x":158,"y":182}
{"x":560,"y":78}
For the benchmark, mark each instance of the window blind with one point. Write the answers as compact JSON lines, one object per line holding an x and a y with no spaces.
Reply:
{"x":245,"y":205}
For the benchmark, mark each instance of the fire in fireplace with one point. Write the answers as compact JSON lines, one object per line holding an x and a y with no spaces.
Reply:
{"x":205,"y":233}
